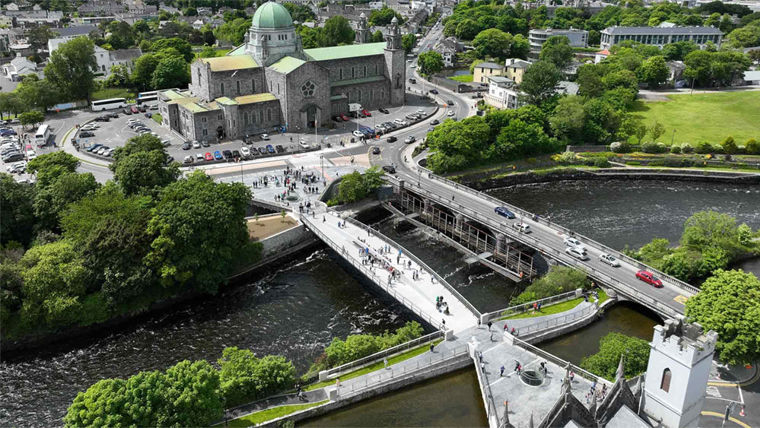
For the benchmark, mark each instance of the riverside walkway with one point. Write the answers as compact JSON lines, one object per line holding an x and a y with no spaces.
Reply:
{"x":395,"y":270}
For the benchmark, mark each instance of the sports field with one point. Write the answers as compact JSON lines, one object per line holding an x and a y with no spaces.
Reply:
{"x":704,"y":117}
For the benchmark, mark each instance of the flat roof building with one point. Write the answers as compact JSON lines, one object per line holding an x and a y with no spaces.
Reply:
{"x":537,"y":38}
{"x":661,"y":36}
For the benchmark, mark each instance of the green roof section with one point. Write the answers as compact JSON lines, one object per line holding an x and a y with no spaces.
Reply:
{"x":255,"y":98}
{"x":357,"y":81}
{"x":271,"y":15}
{"x":229,"y":63}
{"x":194,"y":107}
{"x":338,"y":97}
{"x":347,"y":51}
{"x":226,"y":101}
{"x":173,"y":95}
{"x":287,"y":64}
{"x":240,"y":50}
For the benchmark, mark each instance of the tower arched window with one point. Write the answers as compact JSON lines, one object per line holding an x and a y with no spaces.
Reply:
{"x":665,"y":382}
{"x":222,"y":88}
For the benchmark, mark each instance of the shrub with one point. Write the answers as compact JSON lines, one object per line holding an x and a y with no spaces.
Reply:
{"x":620,"y":147}
{"x":602,"y":163}
{"x":729,"y":146}
{"x":559,"y":279}
{"x":653,"y":147}
{"x":675,"y":149}
{"x":567,"y":157}
{"x":687,"y":148}
{"x":703,"y":148}
{"x":752,"y":147}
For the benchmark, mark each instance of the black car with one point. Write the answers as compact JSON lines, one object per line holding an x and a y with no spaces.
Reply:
{"x":102,"y":118}
{"x":384,"y":110}
{"x":13,"y":157}
{"x":279,"y":148}
{"x":186,"y":145}
{"x":450,"y":102}
{"x":113,"y":115}
{"x":86,"y":134}
{"x":235,"y":154}
{"x":434,"y":91}
{"x":392,"y":139}
{"x":227,"y":154}
{"x":389,"y":169}
{"x":263,"y":150}
{"x":205,"y":143}
{"x":434,"y":122}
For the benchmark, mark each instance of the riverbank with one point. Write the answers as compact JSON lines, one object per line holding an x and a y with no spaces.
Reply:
{"x":277,"y":249}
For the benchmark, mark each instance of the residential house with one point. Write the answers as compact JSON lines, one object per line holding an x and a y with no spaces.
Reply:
{"x":19,"y":67}
{"x":449,"y":48}
{"x":515,"y":68}
{"x":502,"y":93}
{"x":484,"y":70}
{"x":107,"y":59}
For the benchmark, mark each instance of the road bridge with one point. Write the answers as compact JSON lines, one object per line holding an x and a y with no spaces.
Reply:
{"x":545,"y":237}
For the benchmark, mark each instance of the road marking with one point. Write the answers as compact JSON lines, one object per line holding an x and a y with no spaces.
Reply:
{"x":720,"y":415}
{"x":722,"y":384}
{"x":681,"y":299}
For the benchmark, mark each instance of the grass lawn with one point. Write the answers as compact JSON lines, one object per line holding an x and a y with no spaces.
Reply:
{"x":462,"y":78}
{"x":556,"y":308}
{"x":377,"y":366}
{"x":107,"y":93}
{"x":705,"y":117}
{"x":268,"y":226}
{"x":273,"y":413}
{"x":157,"y":118}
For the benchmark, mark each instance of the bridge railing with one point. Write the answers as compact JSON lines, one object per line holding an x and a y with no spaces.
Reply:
{"x":371,"y":275}
{"x":490,"y":403}
{"x":422,"y":264}
{"x":525,"y":307}
{"x":586,"y":240}
{"x":557,"y":321}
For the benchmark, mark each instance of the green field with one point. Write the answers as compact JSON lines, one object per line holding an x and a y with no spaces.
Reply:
{"x":704,"y":117}
{"x":462,"y":78}
{"x":107,"y":93}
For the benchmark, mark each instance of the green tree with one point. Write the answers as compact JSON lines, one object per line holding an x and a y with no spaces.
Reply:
{"x":378,"y":37}
{"x":519,"y":139}
{"x":120,"y":35}
{"x":50,"y":166}
{"x":493,"y":43}
{"x":729,"y":145}
{"x":246,"y":378}
{"x":557,"y":50}
{"x":17,"y":213}
{"x":520,"y":47}
{"x":170,"y":72}
{"x":337,"y":31}
{"x":654,"y":71}
{"x":656,"y":130}
{"x":589,"y":80}
{"x":540,"y":82}
{"x":455,"y":145}
{"x":142,"y":73}
{"x":182,"y":46}
{"x":233,"y":32}
{"x":430,"y":62}
{"x":184,"y":242}
{"x":31,"y":118}
{"x":207,"y":52}
{"x":103,"y":404}
{"x":707,"y":229}
{"x":407,"y":42}
{"x":300,"y":13}
{"x":72,"y":67}
{"x":605,"y":363}
{"x":559,"y":279}
{"x":34,"y":92}
{"x":51,"y":200}
{"x":752,"y":146}
{"x":11,"y":103}
{"x":633,"y":127}
{"x":677,"y":51}
{"x":467,"y":29}
{"x":729,"y":303}
{"x":569,"y":119}
{"x":383,"y":17}
{"x":192,"y":397}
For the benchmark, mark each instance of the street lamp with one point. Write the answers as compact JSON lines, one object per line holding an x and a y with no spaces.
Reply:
{"x":322,"y":164}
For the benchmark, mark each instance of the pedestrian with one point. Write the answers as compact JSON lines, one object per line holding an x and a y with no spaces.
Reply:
{"x":517,"y":366}
{"x":489,"y":325}
{"x":539,"y":307}
{"x":543,"y":367}
{"x":480,"y":357}
{"x":323,"y":219}
{"x":385,"y":363}
{"x":535,"y":306}
{"x":572,"y":375}
{"x":483,"y":366}
{"x":337,"y":382}
{"x":491,"y":337}
{"x":506,"y":328}
{"x":432,"y":347}
{"x":501,"y":371}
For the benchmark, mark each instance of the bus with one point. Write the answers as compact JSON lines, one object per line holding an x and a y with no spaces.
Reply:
{"x":42,"y":135}
{"x":144,"y":97}
{"x":109,"y":104}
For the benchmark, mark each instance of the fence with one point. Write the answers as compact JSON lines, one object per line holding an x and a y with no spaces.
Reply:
{"x":586,"y":240}
{"x":371,"y":275}
{"x":525,"y":307}
{"x":558,"y":321}
{"x":372,"y":380}
{"x":490,"y":404}
{"x":560,"y":362}
{"x":380,"y":355}
{"x":422,"y":264}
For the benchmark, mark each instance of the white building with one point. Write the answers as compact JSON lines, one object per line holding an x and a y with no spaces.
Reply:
{"x":69,"y":33}
{"x":19,"y":67}
{"x":661,"y":36}
{"x":537,"y":38}
{"x":502,"y":93}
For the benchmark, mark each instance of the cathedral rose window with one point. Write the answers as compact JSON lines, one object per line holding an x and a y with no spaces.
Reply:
{"x":307,"y":89}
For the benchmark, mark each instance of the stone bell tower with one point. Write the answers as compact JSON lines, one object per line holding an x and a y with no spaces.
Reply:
{"x":394,"y":63}
{"x":362,"y":29}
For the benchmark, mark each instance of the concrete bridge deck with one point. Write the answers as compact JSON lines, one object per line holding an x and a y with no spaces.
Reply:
{"x":415,"y":285}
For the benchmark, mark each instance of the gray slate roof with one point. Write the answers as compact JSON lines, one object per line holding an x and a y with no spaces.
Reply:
{"x":489,"y":65}
{"x":623,"y":31}
{"x":77,"y":30}
{"x":125,"y":54}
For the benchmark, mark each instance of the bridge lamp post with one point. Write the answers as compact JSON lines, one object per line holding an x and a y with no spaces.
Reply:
{"x":322,"y":164}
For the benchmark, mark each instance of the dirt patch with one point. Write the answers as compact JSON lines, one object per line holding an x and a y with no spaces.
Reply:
{"x":268,"y":226}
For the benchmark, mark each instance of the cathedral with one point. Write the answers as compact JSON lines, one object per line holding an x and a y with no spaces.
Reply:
{"x":270,"y":83}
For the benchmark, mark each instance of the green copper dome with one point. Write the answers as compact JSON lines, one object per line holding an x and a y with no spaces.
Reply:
{"x":271,"y":15}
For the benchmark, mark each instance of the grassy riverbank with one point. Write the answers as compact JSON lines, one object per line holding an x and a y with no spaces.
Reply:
{"x":556,"y":308}
{"x":269,"y":414}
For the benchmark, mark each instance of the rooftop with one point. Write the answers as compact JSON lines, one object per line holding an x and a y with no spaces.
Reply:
{"x":660,"y":30}
{"x":228,"y":63}
{"x":271,"y":15}
{"x":488,"y":65}
{"x":357,"y":81}
{"x":255,"y":98}
{"x":287,"y":64}
{"x":76,"y":30}
{"x":347,"y":51}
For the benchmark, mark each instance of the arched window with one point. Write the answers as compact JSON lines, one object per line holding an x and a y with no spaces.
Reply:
{"x":253,"y":86}
{"x":222,"y":88}
{"x":238,"y":87}
{"x":665,"y":382}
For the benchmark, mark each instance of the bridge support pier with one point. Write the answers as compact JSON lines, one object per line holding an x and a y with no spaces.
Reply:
{"x":458,"y":222}
{"x":401,"y":184}
{"x":501,"y":243}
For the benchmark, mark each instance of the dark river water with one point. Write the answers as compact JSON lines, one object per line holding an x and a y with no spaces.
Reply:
{"x":296,"y":310}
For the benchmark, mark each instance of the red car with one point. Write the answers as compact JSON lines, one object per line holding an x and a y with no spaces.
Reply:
{"x":208,"y":156}
{"x":649,"y":278}
{"x":367,"y":113}
{"x":344,"y":117}
{"x":134,"y":110}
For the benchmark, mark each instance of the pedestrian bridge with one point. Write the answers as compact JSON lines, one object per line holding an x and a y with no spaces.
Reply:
{"x":395,"y":270}
{"x":448,"y":206}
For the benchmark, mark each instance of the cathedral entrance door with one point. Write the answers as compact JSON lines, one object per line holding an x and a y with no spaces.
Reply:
{"x":309,"y":114}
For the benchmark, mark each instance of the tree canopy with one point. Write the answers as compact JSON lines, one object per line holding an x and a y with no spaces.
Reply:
{"x":611,"y":347}
{"x":430,"y":62}
{"x":71,"y":68}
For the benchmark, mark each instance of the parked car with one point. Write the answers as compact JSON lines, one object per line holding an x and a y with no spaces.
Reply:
{"x":375,"y":150}
{"x":279,"y":148}
{"x":392,"y":139}
{"x":434,"y":91}
{"x":218,"y":155}
{"x":572,"y":242}
{"x":127,"y":111}
{"x":199,"y":156}
{"x":366,"y":112}
{"x":235,"y":154}
{"x":401,"y":122}
{"x":186,"y":145}
{"x":205,"y":143}
{"x":609,"y":259}
{"x":384,"y":111}
{"x":86,"y":134}
{"x":270,"y":148}
{"x":357,"y":134}
{"x":412,"y":80}
{"x":434,"y":122}
{"x":344,"y":117}
{"x":196,"y":145}
{"x":245,"y":151}
{"x":505,"y":212}
{"x":134,"y":110}
{"x":208,"y":156}
{"x":303,"y":144}
{"x":94,"y":147}
{"x":188,"y":159}
{"x":451,"y":113}
{"x":649,"y":278}
{"x":389,"y":169}
{"x":521,"y":227}
{"x":263,"y":150}
{"x":265,"y":137}
{"x":575,"y":252}
{"x":227,"y":154}
{"x":13,"y":157}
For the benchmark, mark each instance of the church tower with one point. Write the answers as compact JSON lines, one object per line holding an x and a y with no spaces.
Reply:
{"x":394,"y":63}
{"x":677,"y":373}
{"x":362,"y":29}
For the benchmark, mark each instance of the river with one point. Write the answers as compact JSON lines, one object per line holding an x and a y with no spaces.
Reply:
{"x":297,"y":309}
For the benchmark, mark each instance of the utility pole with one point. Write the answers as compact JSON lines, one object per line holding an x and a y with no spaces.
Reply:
{"x":672,"y":139}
